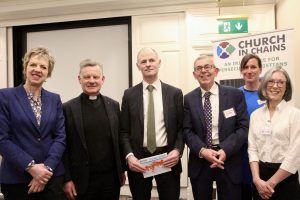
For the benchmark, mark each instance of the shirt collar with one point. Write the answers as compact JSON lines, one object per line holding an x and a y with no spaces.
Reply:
{"x":214,"y":90}
{"x":279,"y":107}
{"x":156,"y":84}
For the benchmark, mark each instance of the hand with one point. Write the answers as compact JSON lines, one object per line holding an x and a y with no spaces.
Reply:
{"x":272,"y":184}
{"x":70,"y":190}
{"x":135,"y":165}
{"x":263,"y":188}
{"x":40,"y":173}
{"x":35,"y":186}
{"x":221,"y":158}
{"x":123,"y":177}
{"x":213,"y":157}
{"x":172,"y":159}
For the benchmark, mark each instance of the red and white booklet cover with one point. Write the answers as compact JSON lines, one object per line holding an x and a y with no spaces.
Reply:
{"x":154,"y":165}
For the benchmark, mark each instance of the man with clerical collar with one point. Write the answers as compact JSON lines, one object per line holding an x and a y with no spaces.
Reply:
{"x":151,"y":117}
{"x":92,"y":159}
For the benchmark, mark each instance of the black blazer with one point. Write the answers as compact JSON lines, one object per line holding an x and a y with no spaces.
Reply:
{"x":132,"y":120}
{"x":76,"y":157}
{"x":233,"y":130}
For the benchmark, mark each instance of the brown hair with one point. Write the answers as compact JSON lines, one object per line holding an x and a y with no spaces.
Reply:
{"x":247,"y":57}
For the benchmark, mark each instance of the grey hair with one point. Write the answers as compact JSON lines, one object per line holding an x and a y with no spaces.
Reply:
{"x":264,"y":82}
{"x":147,"y":48}
{"x":90,"y":63}
{"x":202,"y":57}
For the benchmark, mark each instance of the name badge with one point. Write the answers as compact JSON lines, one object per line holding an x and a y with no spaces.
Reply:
{"x":229,"y":113}
{"x":266,"y":131}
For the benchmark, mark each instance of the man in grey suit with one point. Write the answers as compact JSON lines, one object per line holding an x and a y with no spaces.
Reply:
{"x":92,"y":159}
{"x":165,"y":123}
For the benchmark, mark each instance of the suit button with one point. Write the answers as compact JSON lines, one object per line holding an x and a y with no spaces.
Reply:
{"x":39,"y":139}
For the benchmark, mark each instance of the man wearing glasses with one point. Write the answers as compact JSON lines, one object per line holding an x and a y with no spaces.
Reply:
{"x":215,"y":128}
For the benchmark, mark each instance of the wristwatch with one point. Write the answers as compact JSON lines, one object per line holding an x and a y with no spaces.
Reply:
{"x":31,"y":164}
{"x":48,"y":168}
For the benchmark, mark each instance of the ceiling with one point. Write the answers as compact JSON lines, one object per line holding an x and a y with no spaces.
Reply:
{"x":20,"y":9}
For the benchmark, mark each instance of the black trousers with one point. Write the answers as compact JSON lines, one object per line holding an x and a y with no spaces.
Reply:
{"x":246,"y":191}
{"x":287,"y":189}
{"x":202,"y":186}
{"x":104,"y":185}
{"x":53,"y":190}
{"x":168,"y":184}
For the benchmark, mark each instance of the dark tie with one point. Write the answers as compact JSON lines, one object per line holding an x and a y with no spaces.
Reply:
{"x":151,"y":135}
{"x":208,"y":119}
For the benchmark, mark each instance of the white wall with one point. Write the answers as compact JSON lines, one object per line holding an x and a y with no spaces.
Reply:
{"x":3,"y":58}
{"x":105,"y":44}
{"x":287,"y":16}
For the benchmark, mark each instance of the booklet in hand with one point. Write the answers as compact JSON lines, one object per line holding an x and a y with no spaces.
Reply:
{"x":154,"y":165}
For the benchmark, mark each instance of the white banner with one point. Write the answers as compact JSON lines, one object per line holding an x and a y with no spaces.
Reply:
{"x":274,"y":48}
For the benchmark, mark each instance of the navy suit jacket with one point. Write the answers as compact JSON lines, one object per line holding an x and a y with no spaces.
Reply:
{"x":233,"y":131}
{"x":22,"y":140}
{"x":132,"y":120}
{"x":76,"y":158}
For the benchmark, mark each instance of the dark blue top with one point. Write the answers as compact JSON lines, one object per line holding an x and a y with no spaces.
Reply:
{"x":253,"y":102}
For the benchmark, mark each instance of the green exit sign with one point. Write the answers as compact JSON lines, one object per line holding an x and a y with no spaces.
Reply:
{"x":233,"y":26}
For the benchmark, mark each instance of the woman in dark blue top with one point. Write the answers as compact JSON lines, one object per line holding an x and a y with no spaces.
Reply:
{"x":250,"y":69}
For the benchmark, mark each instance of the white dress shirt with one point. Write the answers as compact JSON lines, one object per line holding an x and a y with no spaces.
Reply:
{"x":276,"y":140}
{"x":214,"y":101}
{"x":160,"y":129}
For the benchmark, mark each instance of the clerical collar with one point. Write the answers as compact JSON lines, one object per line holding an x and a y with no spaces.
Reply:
{"x":91,"y":97}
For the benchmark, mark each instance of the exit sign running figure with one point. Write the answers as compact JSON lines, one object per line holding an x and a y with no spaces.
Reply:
{"x":229,"y":26}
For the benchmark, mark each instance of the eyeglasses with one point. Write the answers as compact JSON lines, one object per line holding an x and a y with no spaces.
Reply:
{"x":206,"y":67}
{"x":279,"y":83}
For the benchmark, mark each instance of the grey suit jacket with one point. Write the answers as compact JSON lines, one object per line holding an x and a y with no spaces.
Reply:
{"x":132,"y":120}
{"x":76,"y":158}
